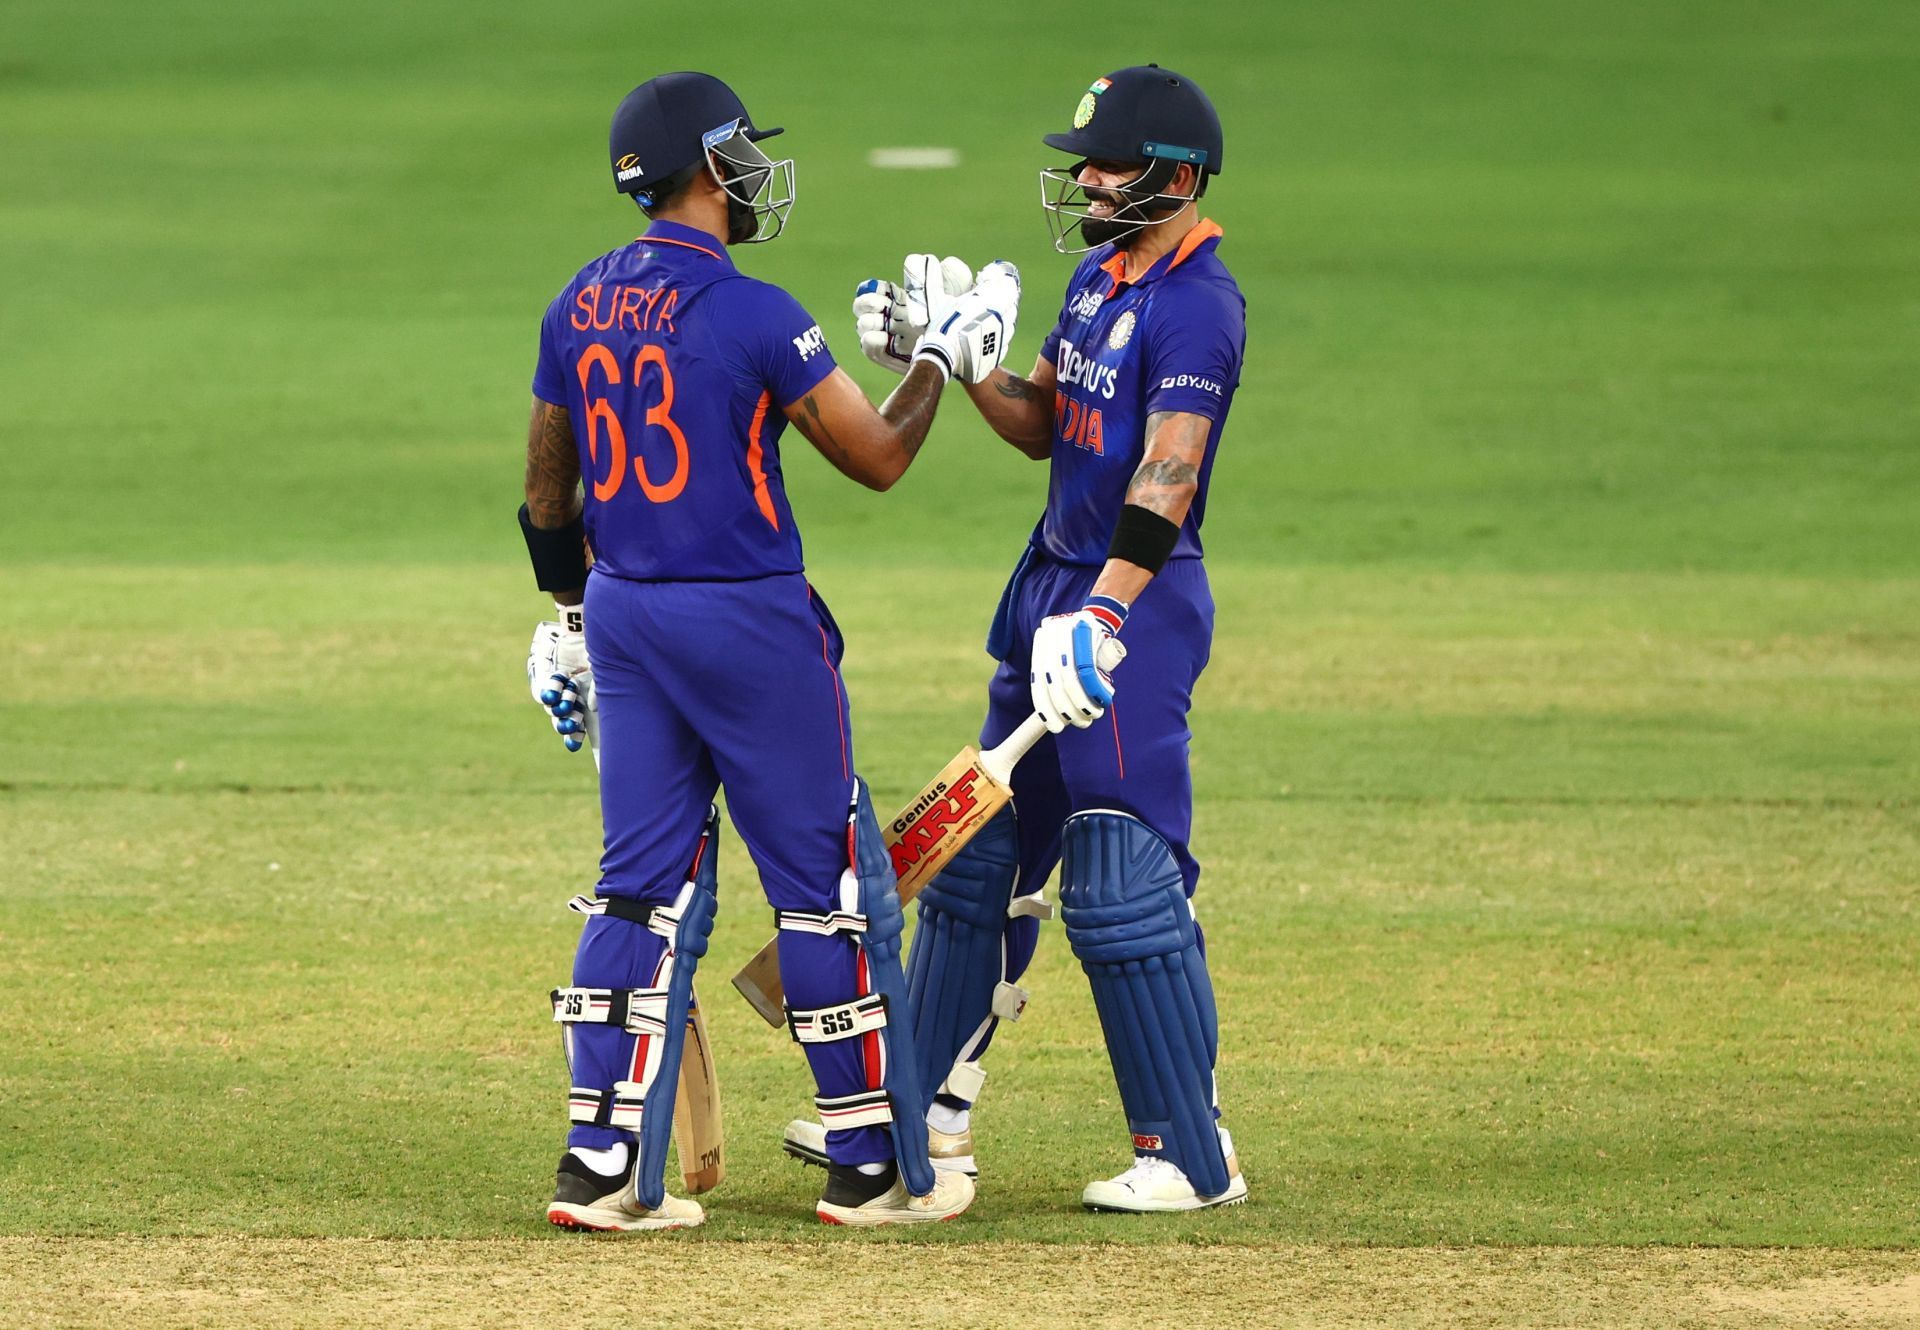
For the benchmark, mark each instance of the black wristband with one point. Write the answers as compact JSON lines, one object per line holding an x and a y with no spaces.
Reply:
{"x":1143,"y":537}
{"x":559,"y":553}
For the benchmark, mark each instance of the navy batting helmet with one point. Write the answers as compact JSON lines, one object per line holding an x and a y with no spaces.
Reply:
{"x":1142,"y":114}
{"x":675,"y":125}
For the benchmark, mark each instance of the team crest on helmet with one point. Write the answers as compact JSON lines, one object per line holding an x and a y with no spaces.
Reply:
{"x":1122,"y":331}
{"x":1083,"y":113}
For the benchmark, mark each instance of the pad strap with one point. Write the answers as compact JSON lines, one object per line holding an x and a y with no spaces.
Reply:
{"x":662,"y":920}
{"x":824,"y":925}
{"x":620,"y":1108}
{"x":849,"y":1020}
{"x":965,"y":1081}
{"x":869,"y":1108}
{"x":637,"y":1010}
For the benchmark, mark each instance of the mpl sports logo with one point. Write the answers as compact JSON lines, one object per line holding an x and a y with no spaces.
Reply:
{"x":810,"y":343}
{"x":627,"y":168}
{"x":924,"y":829}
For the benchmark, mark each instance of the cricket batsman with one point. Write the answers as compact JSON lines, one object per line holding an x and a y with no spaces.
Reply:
{"x":1126,"y":403}
{"x":694,"y":653}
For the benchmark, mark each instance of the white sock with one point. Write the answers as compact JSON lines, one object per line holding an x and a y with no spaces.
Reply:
{"x":952,"y":1121}
{"x":871,"y":1170}
{"x":613,"y":1159}
{"x":1226,"y":1140}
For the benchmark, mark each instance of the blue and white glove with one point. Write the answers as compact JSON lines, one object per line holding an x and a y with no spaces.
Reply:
{"x":560,"y":676}
{"x":1072,"y":663}
{"x":968,"y":335}
{"x":891,"y":317}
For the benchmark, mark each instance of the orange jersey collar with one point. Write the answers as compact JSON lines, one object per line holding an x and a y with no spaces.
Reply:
{"x":1204,"y":230}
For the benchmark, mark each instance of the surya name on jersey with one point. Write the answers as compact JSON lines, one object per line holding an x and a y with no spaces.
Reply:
{"x":1079,"y":423}
{"x":599,"y":308}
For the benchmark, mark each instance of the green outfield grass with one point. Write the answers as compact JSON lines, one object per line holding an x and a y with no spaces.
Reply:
{"x":1555,"y":768}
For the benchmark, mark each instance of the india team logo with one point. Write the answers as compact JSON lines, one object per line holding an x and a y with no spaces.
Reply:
{"x":1083,"y":113}
{"x":1122,"y":331}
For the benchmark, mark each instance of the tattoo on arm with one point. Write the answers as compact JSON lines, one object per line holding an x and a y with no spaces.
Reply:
{"x":553,"y":467}
{"x":816,"y":429}
{"x":1012,"y":385}
{"x":1166,"y":481}
{"x":910,"y":407}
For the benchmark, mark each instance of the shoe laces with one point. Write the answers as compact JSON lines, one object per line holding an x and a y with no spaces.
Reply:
{"x":1149,"y":1169}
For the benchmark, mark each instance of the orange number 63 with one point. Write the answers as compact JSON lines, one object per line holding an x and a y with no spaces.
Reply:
{"x":601,"y":417}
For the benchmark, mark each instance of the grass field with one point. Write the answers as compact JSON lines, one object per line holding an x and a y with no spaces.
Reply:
{"x":1555,"y":768}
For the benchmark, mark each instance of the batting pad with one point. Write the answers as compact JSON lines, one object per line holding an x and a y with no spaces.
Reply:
{"x":958,"y":961}
{"x":1125,"y":908}
{"x":872,"y":867}
{"x":655,"y":1016}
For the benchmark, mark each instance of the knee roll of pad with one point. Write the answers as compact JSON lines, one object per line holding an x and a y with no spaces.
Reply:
{"x":1124,"y":904}
{"x":957,"y":967}
{"x":645,"y":1107}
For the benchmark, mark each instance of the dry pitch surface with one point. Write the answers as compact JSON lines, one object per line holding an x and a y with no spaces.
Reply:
{"x":220,"y":1282}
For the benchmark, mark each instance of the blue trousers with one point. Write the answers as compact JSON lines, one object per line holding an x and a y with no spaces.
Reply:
{"x":700,"y":685}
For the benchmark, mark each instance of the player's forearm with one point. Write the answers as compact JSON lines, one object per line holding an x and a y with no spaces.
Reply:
{"x":1159,"y":495}
{"x":553,"y":467}
{"x":874,"y":447}
{"x":1018,"y":410}
{"x":553,"y":479}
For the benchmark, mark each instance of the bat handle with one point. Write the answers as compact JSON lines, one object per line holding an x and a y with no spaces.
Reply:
{"x":1000,"y":760}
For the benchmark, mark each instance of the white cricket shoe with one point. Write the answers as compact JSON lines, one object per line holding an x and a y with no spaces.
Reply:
{"x":806,"y":1140}
{"x":608,"y":1203}
{"x":860,"y":1199}
{"x":1155,"y":1185}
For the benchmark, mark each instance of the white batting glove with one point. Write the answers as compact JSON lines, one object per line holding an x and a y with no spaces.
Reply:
{"x":967,"y":336}
{"x":560,"y":676}
{"x":890,"y":317}
{"x":1072,"y":663}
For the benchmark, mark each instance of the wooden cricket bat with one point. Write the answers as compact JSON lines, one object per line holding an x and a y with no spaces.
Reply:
{"x":921,"y":837}
{"x":697,"y":1135}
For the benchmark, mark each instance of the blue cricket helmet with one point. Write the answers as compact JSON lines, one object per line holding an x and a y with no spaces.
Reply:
{"x":663,"y":132}
{"x":1143,"y":115}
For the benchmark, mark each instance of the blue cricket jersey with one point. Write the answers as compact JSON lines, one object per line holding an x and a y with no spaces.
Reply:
{"x":1171,"y":341}
{"x":675,"y":367}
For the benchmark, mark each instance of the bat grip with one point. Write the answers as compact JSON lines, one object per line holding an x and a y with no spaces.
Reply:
{"x":1000,"y":760}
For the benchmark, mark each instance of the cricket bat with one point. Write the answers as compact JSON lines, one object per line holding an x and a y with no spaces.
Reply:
{"x":921,"y":837}
{"x":698,"y":1138}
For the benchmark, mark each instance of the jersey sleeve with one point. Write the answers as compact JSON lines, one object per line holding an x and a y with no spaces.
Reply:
{"x":784,"y":344}
{"x":549,"y":384}
{"x":1194,"y":347}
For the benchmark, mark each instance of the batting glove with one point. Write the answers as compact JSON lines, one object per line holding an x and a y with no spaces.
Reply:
{"x":1074,"y":655}
{"x":560,"y":676}
{"x":891,"y":317}
{"x":967,"y":336}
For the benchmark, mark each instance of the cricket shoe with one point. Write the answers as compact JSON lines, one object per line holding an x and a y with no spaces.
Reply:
{"x":861,"y":1199}
{"x":607,"y":1203}
{"x":951,"y":1151}
{"x":1155,"y":1185}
